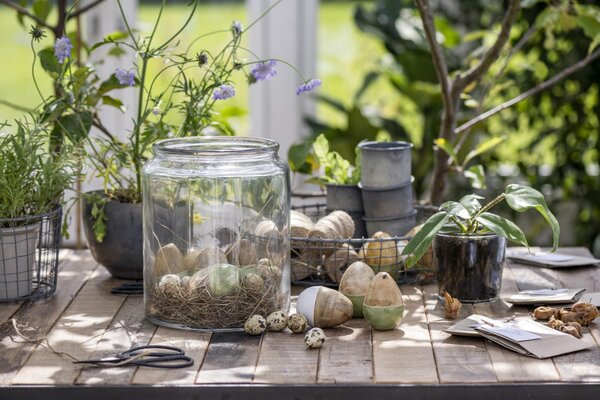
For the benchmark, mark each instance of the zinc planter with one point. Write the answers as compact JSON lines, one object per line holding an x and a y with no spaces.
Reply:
{"x":17,"y":260}
{"x":347,"y":198}
{"x":469,"y":267}
{"x":395,"y":226}
{"x":385,"y":164}
{"x":388,"y":202}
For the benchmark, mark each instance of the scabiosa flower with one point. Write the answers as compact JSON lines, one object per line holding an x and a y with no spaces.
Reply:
{"x":224,"y":92}
{"x":264,"y":70}
{"x":37,"y":33}
{"x":236,"y":28}
{"x":125,"y":77}
{"x":202,"y":58}
{"x":156,"y":110}
{"x":308,"y":86}
{"x":62,"y":49}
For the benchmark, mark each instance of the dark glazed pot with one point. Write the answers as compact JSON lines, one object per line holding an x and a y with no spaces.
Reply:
{"x":121,"y":250}
{"x":469,"y":267}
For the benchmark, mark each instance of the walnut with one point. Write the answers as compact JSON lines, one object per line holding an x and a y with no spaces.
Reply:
{"x":452,"y":306}
{"x":544,"y":313}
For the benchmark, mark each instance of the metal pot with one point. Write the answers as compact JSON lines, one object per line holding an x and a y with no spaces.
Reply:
{"x":17,"y":260}
{"x":388,"y":202}
{"x":395,"y":226}
{"x":385,"y":164}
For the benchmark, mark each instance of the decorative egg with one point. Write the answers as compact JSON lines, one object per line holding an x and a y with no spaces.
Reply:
{"x":168,"y":260}
{"x":324,"y":307}
{"x":314,"y":338}
{"x":169,"y":282}
{"x":297,"y":323}
{"x":354,"y":285}
{"x":268,"y":271}
{"x":253,"y":282}
{"x":255,"y":325}
{"x":383,"y":306}
{"x":277,"y":321}
{"x":382,"y":255}
{"x":223,"y":279}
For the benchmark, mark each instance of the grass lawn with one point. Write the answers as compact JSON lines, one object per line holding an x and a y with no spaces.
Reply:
{"x":344,"y":54}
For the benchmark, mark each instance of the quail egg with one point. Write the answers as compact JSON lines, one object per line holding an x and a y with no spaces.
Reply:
{"x":314,"y":338}
{"x":253,"y":282}
{"x":277,"y":321}
{"x":297,"y":323}
{"x":255,"y":325}
{"x":169,"y":281}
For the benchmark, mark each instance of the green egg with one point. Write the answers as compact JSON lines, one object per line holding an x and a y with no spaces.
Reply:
{"x":383,"y":318}
{"x":223,"y":279}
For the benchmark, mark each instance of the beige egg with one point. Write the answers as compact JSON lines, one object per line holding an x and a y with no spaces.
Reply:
{"x":324,"y":307}
{"x":196,"y":260}
{"x":242,"y":253}
{"x":355,"y":284}
{"x":168,"y":260}
{"x":383,"y":307}
{"x":380,"y":253}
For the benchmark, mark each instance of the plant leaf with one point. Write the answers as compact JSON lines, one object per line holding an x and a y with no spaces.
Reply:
{"x":456,"y":209}
{"x":48,"y":61}
{"x":471,"y":203}
{"x":476,"y":176}
{"x":446,"y":146}
{"x":522,"y":198}
{"x":298,"y":155}
{"x":41,"y":9}
{"x":419,"y":244}
{"x":483,"y":147}
{"x":503,"y":227}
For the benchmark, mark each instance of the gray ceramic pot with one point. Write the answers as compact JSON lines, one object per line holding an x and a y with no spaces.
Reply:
{"x":469,"y":267}
{"x":385,"y":164}
{"x":395,"y":226}
{"x":388,"y":202}
{"x":344,"y":197}
{"x":17,"y":260}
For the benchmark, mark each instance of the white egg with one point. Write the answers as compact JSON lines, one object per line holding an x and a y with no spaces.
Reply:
{"x":169,"y":280}
{"x":314,"y":338}
{"x":306,"y":303}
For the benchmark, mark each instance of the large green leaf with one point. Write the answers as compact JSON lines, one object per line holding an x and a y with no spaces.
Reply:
{"x":456,"y":209}
{"x":503,"y":227}
{"x":523,"y":198}
{"x":48,"y":61}
{"x":297,"y":157}
{"x":41,"y":8}
{"x":483,"y":147}
{"x":74,"y":126}
{"x":418,"y":245}
{"x":471,"y":203}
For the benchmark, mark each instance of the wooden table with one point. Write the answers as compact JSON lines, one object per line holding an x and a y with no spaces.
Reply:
{"x":83,"y":320}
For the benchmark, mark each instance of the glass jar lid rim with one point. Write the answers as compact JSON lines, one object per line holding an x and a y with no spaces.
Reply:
{"x":216,"y":146}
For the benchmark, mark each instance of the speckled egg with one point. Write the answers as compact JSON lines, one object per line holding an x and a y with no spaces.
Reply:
{"x":255,"y":325}
{"x":169,"y":281}
{"x":253,"y":282}
{"x":297,"y":323}
{"x":277,"y":321}
{"x":314,"y":338}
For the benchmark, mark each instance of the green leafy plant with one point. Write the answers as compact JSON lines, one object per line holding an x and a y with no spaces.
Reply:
{"x":469,"y":217}
{"x":336,"y":169}
{"x":32,"y":179}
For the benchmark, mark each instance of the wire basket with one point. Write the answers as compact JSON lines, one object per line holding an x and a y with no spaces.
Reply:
{"x":29,"y":248}
{"x":316,"y":261}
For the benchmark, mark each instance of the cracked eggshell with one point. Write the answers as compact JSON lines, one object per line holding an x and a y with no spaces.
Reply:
{"x":383,"y":306}
{"x":324,"y":307}
{"x":355,"y":283}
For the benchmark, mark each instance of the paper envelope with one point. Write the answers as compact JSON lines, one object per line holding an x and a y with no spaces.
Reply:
{"x":550,"y":342}
{"x":558,"y":296}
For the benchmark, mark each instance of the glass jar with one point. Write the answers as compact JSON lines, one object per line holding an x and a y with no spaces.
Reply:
{"x":216,"y":232}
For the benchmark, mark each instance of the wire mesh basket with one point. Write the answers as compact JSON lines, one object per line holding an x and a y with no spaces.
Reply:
{"x":29,"y":248}
{"x":317,"y":261}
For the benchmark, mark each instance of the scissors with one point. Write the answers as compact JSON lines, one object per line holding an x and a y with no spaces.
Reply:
{"x":145,"y":356}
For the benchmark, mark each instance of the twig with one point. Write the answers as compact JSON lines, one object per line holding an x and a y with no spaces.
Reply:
{"x":25,"y":12}
{"x":477,"y":71}
{"x":437,"y":55}
{"x":84,"y":9}
{"x":15,"y":106}
{"x":534,"y":90}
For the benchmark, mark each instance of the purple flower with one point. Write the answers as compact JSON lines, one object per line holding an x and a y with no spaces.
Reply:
{"x":156,"y":110}
{"x":236,"y":27}
{"x":264,"y":70}
{"x":125,"y":77}
{"x":309,"y":86}
{"x":224,"y":92}
{"x":62,"y":49}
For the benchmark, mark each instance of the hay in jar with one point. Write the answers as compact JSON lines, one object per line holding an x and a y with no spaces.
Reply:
{"x":218,"y":297}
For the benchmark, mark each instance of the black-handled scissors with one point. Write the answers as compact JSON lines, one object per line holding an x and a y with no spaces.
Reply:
{"x":144,"y":356}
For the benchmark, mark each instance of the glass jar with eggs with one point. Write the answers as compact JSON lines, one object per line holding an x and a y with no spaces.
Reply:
{"x":216,"y":232}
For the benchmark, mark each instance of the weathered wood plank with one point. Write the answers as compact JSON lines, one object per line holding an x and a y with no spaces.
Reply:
{"x":405,"y":354}
{"x":193,"y":343}
{"x":230,"y":358}
{"x":7,"y":310}
{"x":37,"y":318}
{"x":347,"y":355}
{"x":128,"y":329}
{"x":510,"y":366}
{"x":458,"y":359}
{"x":284,"y":358}
{"x":76,"y":333}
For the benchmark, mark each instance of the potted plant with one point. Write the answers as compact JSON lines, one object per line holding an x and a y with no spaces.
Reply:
{"x":199,"y":79}
{"x":469,"y":242}
{"x":341,"y":180}
{"x":32,"y":182}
